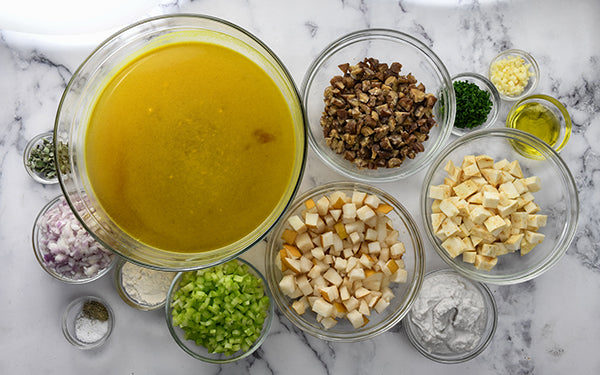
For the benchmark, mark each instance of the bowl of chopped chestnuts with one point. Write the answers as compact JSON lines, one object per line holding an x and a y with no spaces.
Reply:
{"x":373,"y":102}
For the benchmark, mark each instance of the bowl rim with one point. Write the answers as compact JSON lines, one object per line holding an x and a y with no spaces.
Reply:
{"x":387,"y":34}
{"x":494,"y":97}
{"x":491,"y":305}
{"x":300,"y":138}
{"x":48,"y":135}
{"x":413,"y":287}
{"x":549,"y":153}
{"x":528,"y":59}
{"x":553,"y":101}
{"x":229,"y":359}
{"x":65,"y":323}
{"x":40,"y":258}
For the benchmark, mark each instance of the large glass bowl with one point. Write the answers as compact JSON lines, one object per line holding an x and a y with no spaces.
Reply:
{"x":387,"y":46}
{"x":557,"y":199}
{"x":404,"y":293}
{"x":83,"y":90}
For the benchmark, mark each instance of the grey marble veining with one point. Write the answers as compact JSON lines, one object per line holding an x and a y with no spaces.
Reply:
{"x":546,"y":326}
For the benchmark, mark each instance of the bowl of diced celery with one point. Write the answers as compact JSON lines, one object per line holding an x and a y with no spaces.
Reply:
{"x":220,"y":314}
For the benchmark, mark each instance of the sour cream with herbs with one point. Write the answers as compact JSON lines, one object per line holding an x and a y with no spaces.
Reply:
{"x":449,"y":314}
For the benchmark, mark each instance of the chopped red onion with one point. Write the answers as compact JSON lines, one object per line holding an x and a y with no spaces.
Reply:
{"x":67,"y":248}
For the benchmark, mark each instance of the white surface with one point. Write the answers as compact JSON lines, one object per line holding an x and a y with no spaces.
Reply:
{"x":546,"y":326}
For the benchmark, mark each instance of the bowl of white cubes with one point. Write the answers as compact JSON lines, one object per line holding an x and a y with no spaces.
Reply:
{"x":495,"y":213}
{"x":346,"y":262}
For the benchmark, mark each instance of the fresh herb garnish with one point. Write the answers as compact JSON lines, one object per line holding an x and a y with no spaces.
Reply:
{"x":472,"y":105}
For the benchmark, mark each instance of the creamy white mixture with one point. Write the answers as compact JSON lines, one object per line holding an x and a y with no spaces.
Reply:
{"x":449,"y":314}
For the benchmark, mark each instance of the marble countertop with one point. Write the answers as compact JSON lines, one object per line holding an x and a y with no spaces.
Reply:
{"x":546,"y":326}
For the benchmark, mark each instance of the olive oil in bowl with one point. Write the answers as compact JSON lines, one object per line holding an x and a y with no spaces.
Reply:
{"x":544,"y":117}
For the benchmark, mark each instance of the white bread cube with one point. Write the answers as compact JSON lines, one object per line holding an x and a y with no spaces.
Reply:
{"x":469,"y":256}
{"x":355,"y":238}
{"x":479,"y":215}
{"x":449,"y":228}
{"x":506,"y":177}
{"x":397,"y":250}
{"x":365,"y":213}
{"x":439,"y":191}
{"x":344,"y":293}
{"x":311,"y":219}
{"x":533,"y":183}
{"x":305,"y":264}
{"x":358,"y":198}
{"x":322,"y":206}
{"x":514,"y":168}
{"x":468,"y":160}
{"x":519,"y":220}
{"x":363,"y":308}
{"x":304,"y":242}
{"x":356,"y":319}
{"x":476,"y":198}
{"x":318,"y":252}
{"x":495,"y":224}
{"x":509,"y":189}
{"x":340,"y":263}
{"x":502,"y":165}
{"x":351,"y":303}
{"x":435,"y":206}
{"x":400,"y":276}
{"x":333,"y":277}
{"x":531,"y":208}
{"x":520,"y":186}
{"x":448,"y":208}
{"x":381,"y":305}
{"x":367,"y":261}
{"x":513,"y":243}
{"x":356,"y":273}
{"x":373,"y":201}
{"x":466,"y":188}
{"x":304,"y":285}
{"x":490,"y":199}
{"x":536,"y":221}
{"x":506,"y":210}
{"x":374,"y":247}
{"x":454,"y":246}
{"x":351,"y":263}
{"x":328,"y":322}
{"x":287,"y":284}
{"x":336,"y":214}
{"x":471,"y":170}
{"x":484,"y":161}
{"x":483,"y":262}
{"x":348,"y":212}
{"x":330,"y":293}
{"x":371,"y":234}
{"x":300,"y":305}
{"x":534,"y":237}
{"x":479,"y":181}
{"x":322,"y":307}
{"x":491,"y":175}
{"x":373,"y":281}
{"x":297,"y":224}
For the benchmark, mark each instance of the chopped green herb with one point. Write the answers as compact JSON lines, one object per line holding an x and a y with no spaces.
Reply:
{"x":472,"y":105}
{"x":222,"y":308}
{"x":41,"y":159}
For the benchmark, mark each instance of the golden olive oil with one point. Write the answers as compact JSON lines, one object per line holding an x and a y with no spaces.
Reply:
{"x":536,"y":119}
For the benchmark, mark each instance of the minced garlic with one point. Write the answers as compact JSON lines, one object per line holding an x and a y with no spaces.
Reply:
{"x":510,"y":75}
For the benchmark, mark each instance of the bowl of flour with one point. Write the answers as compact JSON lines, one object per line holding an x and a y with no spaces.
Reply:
{"x":453,"y":318}
{"x":141,"y":287}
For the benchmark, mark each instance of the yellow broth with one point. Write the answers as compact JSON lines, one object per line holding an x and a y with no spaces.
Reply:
{"x":190,"y":147}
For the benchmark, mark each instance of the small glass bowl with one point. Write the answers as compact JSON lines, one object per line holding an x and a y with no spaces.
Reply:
{"x":40,"y":255}
{"x":387,"y":46}
{"x":558,"y":199}
{"x":404,"y":293}
{"x":31,"y":145}
{"x":556,"y":108}
{"x":199,"y":351}
{"x":69,"y":323}
{"x":491,"y":312}
{"x":534,"y":70}
{"x":130,"y":300}
{"x":484,"y":84}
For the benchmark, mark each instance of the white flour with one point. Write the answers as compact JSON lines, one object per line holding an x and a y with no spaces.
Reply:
{"x":449,"y":313}
{"x":146,"y":286}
